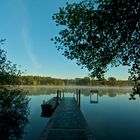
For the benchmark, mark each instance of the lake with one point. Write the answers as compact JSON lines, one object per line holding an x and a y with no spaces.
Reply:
{"x":111,"y":114}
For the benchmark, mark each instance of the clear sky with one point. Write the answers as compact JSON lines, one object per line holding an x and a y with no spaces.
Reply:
{"x":28,"y":28}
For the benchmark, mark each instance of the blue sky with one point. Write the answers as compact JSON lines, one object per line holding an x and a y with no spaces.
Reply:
{"x":28,"y":28}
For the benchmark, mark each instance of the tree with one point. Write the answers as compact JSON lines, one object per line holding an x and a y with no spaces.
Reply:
{"x":99,"y":33}
{"x":102,"y":81}
{"x":13,"y":102}
{"x":112,"y":81}
{"x":8,"y":71}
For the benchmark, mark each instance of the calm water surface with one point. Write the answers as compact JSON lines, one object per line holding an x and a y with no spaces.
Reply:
{"x":111,"y":115}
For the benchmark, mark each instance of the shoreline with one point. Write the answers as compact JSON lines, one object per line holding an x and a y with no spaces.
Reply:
{"x":75,"y":87}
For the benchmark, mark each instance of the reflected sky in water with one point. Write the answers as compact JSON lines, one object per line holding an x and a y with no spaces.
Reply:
{"x":113,"y":117}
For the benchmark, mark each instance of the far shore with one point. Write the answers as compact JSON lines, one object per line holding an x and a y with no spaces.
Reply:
{"x":75,"y":87}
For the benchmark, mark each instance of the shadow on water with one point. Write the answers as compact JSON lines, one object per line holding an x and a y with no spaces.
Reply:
{"x":13,"y":114}
{"x":47,"y":114}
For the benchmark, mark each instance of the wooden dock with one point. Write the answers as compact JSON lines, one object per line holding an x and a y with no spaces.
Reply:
{"x":67,"y":123}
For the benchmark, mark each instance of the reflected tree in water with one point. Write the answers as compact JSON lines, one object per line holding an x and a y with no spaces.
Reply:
{"x":136,"y":88}
{"x":132,"y":96}
{"x":13,"y":114}
{"x":136,"y":91}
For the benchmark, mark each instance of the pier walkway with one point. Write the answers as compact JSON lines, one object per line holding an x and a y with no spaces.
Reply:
{"x":67,"y":123}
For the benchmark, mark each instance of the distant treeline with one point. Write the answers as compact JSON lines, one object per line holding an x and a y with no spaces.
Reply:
{"x":38,"y":80}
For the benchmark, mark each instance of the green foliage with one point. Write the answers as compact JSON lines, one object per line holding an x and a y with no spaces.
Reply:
{"x":99,"y":33}
{"x":38,"y":80}
{"x":86,"y":81}
{"x":82,"y":81}
{"x":13,"y":103}
{"x":13,"y":113}
{"x":8,"y":71}
{"x":112,"y":81}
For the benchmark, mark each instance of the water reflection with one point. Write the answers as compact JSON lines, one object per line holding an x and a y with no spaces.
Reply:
{"x":13,"y":114}
{"x":136,"y":88}
{"x":94,"y":93}
{"x":136,"y":91}
{"x":133,"y":95}
{"x":105,"y":118}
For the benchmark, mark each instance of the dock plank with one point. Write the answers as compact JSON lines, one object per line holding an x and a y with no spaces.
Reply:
{"x":67,"y":123}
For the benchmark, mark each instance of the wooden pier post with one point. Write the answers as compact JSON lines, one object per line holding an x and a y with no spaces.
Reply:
{"x":60,"y":94}
{"x":57,"y":96}
{"x":79,"y":97}
{"x":63,"y":93}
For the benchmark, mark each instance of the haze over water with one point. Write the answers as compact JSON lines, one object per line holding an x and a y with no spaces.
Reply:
{"x":110,"y":113}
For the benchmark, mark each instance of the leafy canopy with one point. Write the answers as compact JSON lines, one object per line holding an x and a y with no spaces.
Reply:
{"x":8,"y":71}
{"x":99,"y":33}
